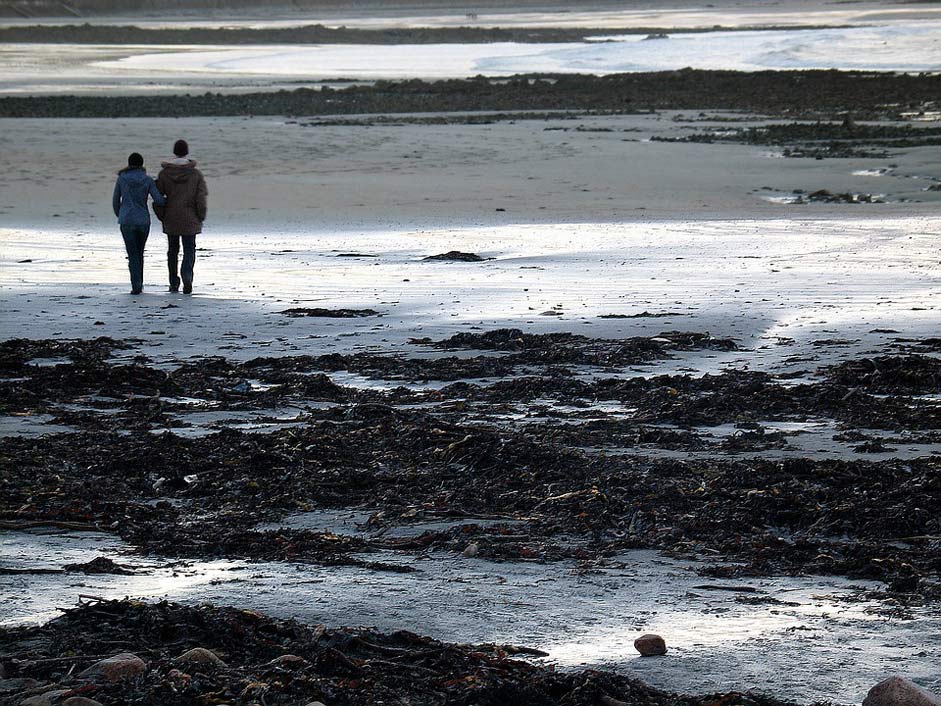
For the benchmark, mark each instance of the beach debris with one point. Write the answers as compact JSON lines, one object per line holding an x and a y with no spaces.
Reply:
{"x":99,"y":565}
{"x":650,"y":645}
{"x":821,"y":140}
{"x":915,"y":374}
{"x":111,"y":669}
{"x":657,"y":35}
{"x":288,"y":662}
{"x":824,"y":196}
{"x":199,"y":657}
{"x":299,"y":312}
{"x":642,"y":315}
{"x":457,"y":256}
{"x":899,"y":691}
{"x":242,"y":387}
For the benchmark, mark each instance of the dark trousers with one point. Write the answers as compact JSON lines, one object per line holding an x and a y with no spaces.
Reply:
{"x":135,"y":238}
{"x":189,"y":259}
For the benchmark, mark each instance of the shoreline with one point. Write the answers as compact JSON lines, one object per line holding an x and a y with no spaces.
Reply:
{"x":321,"y":34}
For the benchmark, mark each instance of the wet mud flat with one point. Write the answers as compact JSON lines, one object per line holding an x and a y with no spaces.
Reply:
{"x":797,"y":94}
{"x":207,"y":654}
{"x":557,"y":450}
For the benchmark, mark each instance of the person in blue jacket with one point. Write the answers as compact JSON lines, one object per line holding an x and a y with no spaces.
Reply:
{"x":130,"y":206}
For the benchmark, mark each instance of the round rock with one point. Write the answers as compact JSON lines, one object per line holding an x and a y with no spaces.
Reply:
{"x":200,"y":656}
{"x":80,"y":701}
{"x":898,"y":691}
{"x":650,"y":645}
{"x":122,"y":666}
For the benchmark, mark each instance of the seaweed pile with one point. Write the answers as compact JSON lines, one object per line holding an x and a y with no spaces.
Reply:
{"x":562,"y":482}
{"x":821,"y":140}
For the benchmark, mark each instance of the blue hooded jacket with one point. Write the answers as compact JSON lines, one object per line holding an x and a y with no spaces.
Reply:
{"x":130,"y":197}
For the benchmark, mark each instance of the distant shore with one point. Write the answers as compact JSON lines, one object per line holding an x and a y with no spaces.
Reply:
{"x":320,"y":34}
{"x":796,"y":94}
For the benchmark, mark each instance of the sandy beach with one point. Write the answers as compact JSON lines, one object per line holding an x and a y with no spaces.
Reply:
{"x":674,"y":371}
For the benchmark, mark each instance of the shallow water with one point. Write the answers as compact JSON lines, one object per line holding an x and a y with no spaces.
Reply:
{"x":913,"y":45}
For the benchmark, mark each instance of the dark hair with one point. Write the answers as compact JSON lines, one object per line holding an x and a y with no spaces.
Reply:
{"x":180,"y":148}
{"x":135,"y":160}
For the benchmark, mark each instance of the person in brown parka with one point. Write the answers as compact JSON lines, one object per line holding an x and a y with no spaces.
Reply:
{"x":184,"y":187}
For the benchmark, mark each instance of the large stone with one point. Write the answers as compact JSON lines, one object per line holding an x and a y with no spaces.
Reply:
{"x":80,"y":701}
{"x":122,"y":666}
{"x":49,"y":698}
{"x":650,"y":645}
{"x":898,"y":691}
{"x":200,"y":657}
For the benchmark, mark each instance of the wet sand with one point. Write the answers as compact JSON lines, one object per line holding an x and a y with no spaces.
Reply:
{"x":687,"y":387}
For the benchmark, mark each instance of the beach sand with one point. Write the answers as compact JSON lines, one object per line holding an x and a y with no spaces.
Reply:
{"x":585,"y":225}
{"x":587,"y":213}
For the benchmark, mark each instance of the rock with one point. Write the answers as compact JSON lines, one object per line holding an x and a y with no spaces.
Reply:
{"x":80,"y":701}
{"x":470,"y":550}
{"x":49,"y":698}
{"x":12,"y":686}
{"x":316,"y":703}
{"x":288,"y":661}
{"x":457,"y":256}
{"x":650,"y":645}
{"x":299,"y":312}
{"x":99,"y":565}
{"x":200,"y":656}
{"x":122,"y":666}
{"x":898,"y":691}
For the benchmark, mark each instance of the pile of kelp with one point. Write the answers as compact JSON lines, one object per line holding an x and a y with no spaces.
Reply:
{"x":174,"y":655}
{"x":863,"y":519}
{"x":822,"y":139}
{"x":512,"y":372}
{"x":584,"y":490}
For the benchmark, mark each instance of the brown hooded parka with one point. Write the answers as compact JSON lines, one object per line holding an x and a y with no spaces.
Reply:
{"x":185,"y":190}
